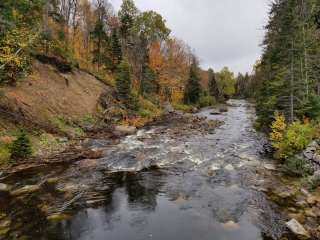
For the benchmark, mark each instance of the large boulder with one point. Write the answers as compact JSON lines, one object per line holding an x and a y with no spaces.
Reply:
{"x":297,"y":229}
{"x":168,"y":109}
{"x":124,"y":130}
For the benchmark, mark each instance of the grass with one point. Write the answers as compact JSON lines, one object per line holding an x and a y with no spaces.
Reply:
{"x":183,"y":107}
{"x":66,"y":127}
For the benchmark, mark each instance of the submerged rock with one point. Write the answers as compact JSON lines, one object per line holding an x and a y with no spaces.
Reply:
{"x":296,"y":228}
{"x":26,"y":190}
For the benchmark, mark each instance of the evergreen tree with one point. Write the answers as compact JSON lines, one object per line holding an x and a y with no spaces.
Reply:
{"x":212,"y":84}
{"x":127,"y":14}
{"x":123,"y":81}
{"x":116,"y":50}
{"x":193,"y":88}
{"x":289,"y":68}
{"x":21,"y":147}
{"x":101,"y":46}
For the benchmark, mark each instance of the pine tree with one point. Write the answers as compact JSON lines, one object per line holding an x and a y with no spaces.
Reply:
{"x":289,"y":72}
{"x":116,"y":50}
{"x":212,"y":84}
{"x":193,"y":88}
{"x":123,"y":81}
{"x":149,"y":84}
{"x":21,"y":147}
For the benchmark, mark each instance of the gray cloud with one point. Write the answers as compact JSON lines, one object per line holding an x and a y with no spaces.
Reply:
{"x":222,"y":32}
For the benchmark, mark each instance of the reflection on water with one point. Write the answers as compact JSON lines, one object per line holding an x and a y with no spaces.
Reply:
{"x":196,"y":186}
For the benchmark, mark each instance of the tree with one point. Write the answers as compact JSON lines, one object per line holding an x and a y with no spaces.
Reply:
{"x":127,"y":15}
{"x":116,"y":50}
{"x":149,"y":84}
{"x":193,"y":87}
{"x":212,"y":84}
{"x":21,"y":147}
{"x":288,"y":71}
{"x":123,"y":81}
{"x":226,"y":83}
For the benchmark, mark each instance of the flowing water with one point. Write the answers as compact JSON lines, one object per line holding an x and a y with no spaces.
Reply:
{"x":162,"y":183}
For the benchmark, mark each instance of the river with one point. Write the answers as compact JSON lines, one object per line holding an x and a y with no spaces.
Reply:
{"x":158,"y":184}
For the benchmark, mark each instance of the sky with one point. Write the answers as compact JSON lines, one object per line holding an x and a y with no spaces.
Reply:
{"x":221,"y":32}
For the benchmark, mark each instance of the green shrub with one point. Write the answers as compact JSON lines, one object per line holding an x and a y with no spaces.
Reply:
{"x":88,"y":120}
{"x":4,"y":153}
{"x":297,"y":137}
{"x":296,"y":167}
{"x":206,"y":101}
{"x":21,"y":147}
{"x":287,"y":140}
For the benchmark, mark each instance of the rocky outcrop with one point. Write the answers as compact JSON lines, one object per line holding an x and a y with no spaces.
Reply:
{"x":312,"y":153}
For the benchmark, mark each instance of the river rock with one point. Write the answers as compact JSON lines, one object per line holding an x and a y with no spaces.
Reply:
{"x":231,"y":225}
{"x":124,"y":130}
{"x":310,"y":213}
{"x":229,"y":167}
{"x":296,"y":228}
{"x":223,"y":109}
{"x":26,"y":190}
{"x":215,"y":112}
{"x":168,"y":109}
{"x":270,"y":167}
{"x":4,"y":188}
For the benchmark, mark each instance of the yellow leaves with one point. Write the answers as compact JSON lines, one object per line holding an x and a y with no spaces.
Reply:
{"x":278,"y":128}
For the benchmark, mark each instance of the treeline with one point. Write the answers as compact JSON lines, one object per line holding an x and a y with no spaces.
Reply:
{"x":287,"y":78}
{"x":131,"y":49}
{"x":285,"y":82}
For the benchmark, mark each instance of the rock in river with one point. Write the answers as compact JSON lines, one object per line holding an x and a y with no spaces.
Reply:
{"x":124,"y":130}
{"x":296,"y":228}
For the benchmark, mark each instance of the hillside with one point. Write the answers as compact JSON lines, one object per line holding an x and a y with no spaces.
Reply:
{"x":48,"y":94}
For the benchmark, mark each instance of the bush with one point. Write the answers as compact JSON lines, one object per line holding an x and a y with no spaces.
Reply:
{"x":296,"y":167}
{"x":206,"y":101}
{"x":21,"y":147}
{"x":288,"y":140}
{"x":299,"y":135}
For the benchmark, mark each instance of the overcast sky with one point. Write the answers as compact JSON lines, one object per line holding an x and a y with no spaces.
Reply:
{"x":222,"y":32}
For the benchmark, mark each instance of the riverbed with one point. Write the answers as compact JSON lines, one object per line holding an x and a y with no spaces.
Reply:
{"x":165,"y":182}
